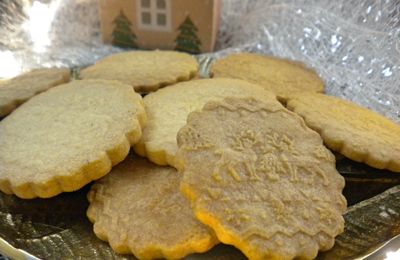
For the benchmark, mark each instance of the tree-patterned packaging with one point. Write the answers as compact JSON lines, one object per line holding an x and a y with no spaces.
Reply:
{"x":183,"y":25}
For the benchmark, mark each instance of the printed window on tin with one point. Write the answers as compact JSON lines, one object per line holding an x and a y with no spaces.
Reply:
{"x":154,"y":14}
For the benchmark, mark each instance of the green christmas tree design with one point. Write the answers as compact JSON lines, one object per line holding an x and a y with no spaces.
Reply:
{"x":122,"y":34}
{"x":187,"y":39}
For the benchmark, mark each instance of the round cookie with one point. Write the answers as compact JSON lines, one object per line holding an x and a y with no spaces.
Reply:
{"x":139,"y":209}
{"x":167,"y":110}
{"x":68,"y":136}
{"x":356,"y":132}
{"x":261,"y":179}
{"x":146,"y":71}
{"x":281,"y":76}
{"x":17,"y":90}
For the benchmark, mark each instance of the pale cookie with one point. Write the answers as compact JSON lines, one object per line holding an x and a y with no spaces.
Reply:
{"x":261,"y":179}
{"x":281,"y":76}
{"x":139,"y":209}
{"x":68,"y":136}
{"x":167,"y":110}
{"x":17,"y":90}
{"x":146,"y":71}
{"x":356,"y":132}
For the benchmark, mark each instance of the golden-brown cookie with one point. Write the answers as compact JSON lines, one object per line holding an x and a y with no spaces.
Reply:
{"x":146,"y":71}
{"x":68,"y":136}
{"x":139,"y":209}
{"x":356,"y":132}
{"x":281,"y":76}
{"x":168,"y":108}
{"x":17,"y":90}
{"x":261,"y":179}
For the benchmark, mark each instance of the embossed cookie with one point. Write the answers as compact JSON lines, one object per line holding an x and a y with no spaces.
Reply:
{"x":17,"y":90}
{"x":146,"y":71}
{"x":356,"y":132}
{"x":139,"y":209}
{"x":283,"y":77}
{"x":167,"y":110}
{"x":261,"y":179}
{"x":68,"y":136}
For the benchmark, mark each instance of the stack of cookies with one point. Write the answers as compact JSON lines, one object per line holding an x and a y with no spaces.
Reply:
{"x":241,"y":158}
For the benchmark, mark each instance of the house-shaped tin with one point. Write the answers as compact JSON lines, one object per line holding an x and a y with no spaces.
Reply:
{"x":184,"y":25}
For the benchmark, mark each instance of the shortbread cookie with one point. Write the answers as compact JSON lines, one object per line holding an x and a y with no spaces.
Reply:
{"x":261,"y":179}
{"x":167,"y":110}
{"x":139,"y":209}
{"x":283,"y":77}
{"x":68,"y":136}
{"x":146,"y":71}
{"x":17,"y":90}
{"x":356,"y":132}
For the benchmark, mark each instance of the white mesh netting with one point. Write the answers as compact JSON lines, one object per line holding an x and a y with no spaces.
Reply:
{"x":354,"y":45}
